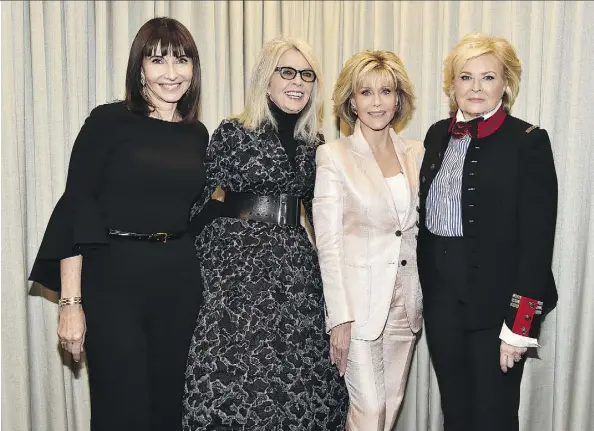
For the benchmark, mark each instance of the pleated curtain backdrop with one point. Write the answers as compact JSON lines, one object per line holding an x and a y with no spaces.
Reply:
{"x":60,"y":59}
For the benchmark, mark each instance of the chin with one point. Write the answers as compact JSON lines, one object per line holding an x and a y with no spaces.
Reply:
{"x":293,"y":107}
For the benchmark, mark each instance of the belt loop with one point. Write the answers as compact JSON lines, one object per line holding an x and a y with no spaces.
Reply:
{"x":282,"y":210}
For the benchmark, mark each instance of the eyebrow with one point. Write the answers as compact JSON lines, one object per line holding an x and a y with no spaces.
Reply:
{"x":484,"y":73}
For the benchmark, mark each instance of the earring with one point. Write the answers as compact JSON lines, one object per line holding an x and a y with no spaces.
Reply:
{"x":142,"y":79}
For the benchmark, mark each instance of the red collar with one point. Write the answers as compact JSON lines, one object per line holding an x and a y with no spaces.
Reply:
{"x":487,"y":127}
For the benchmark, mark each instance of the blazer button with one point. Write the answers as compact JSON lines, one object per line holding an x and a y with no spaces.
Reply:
{"x":403,"y":263}
{"x":423,"y":179}
{"x":432,"y":167}
{"x":398,"y":233}
{"x":527,"y":317}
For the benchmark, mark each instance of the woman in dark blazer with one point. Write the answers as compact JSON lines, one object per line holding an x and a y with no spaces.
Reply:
{"x":488,"y":205}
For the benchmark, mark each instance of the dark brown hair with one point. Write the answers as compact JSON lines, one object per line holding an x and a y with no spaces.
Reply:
{"x":168,"y":34}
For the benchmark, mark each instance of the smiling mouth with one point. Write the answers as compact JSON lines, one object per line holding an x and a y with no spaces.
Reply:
{"x":377,"y":113}
{"x":170,"y":86}
{"x":295,"y":95}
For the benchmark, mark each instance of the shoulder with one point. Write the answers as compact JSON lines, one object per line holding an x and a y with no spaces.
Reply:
{"x":524,"y":131}
{"x":440,"y":126}
{"x":109,"y":110}
{"x":521,"y":127}
{"x":229,"y":125}
{"x":200,"y":129}
{"x":437,"y":130}
{"x":336,"y":146}
{"x":334,"y":150}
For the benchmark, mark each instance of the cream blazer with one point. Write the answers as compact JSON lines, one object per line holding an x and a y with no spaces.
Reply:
{"x":362,"y":246}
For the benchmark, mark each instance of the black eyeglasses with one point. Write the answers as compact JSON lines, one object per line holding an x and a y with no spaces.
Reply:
{"x":289,"y":73}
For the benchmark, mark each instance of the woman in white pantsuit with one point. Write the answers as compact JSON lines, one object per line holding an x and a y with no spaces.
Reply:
{"x":365,"y":217}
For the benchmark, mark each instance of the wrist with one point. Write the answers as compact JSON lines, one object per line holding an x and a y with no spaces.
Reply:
{"x":70,"y":300}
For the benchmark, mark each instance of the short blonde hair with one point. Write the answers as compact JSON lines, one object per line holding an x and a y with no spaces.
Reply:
{"x":475,"y":45}
{"x":387,"y":67}
{"x":257,"y":112}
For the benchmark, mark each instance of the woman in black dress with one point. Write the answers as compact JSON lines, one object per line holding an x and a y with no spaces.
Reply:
{"x":129,"y":278}
{"x":258,"y":359}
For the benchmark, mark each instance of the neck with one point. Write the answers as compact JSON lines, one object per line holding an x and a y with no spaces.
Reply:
{"x":468,"y":117}
{"x":378,"y":140}
{"x":165,"y":112}
{"x":284,"y":120}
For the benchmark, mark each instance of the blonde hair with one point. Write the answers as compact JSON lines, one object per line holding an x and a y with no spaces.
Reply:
{"x":257,"y":112}
{"x":384,"y":66}
{"x":475,"y":45}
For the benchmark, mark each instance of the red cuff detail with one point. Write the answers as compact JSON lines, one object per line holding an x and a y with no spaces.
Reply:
{"x":527,"y":308}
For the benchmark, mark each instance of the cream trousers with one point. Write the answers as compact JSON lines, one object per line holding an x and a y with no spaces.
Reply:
{"x":377,"y":371}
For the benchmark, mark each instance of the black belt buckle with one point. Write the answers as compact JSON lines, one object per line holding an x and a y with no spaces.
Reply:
{"x":288,"y":206}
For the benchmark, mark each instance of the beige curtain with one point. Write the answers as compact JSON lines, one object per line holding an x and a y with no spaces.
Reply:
{"x":60,"y":59}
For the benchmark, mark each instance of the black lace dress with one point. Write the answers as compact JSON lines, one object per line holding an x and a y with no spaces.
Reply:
{"x":259,"y":357}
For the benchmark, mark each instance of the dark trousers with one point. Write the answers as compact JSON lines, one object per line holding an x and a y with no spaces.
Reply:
{"x":475,"y":393}
{"x":140,"y":320}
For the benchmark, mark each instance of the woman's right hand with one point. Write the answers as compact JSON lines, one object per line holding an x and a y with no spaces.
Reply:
{"x":340,"y":341}
{"x":72,"y":328}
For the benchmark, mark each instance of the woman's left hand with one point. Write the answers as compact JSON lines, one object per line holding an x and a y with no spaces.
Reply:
{"x":509,"y":355}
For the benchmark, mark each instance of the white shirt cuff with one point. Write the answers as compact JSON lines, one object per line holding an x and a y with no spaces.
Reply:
{"x":516,"y":340}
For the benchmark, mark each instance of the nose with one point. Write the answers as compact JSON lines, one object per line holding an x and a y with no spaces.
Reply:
{"x":297,"y":79}
{"x":171,"y":73}
{"x":476,"y":85}
{"x":376,"y":100}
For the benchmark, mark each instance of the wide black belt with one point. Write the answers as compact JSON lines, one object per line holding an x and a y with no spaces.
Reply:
{"x":282,"y":209}
{"x":151,"y":237}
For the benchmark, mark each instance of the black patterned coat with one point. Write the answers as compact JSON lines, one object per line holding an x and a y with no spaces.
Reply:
{"x":258,"y":358}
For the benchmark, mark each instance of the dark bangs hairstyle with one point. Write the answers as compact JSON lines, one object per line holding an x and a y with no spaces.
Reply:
{"x":172,"y":37}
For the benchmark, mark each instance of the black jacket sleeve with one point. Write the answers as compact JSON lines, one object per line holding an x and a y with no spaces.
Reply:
{"x":537,"y":215}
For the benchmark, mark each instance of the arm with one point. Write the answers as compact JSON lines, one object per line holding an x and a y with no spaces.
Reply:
{"x":327,"y":216}
{"x":537,"y":215}
{"x":72,"y":323}
{"x":75,"y":226}
{"x":85,"y":173}
{"x":217,"y":169}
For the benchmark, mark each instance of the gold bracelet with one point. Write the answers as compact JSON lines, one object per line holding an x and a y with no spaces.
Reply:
{"x":70,"y":301}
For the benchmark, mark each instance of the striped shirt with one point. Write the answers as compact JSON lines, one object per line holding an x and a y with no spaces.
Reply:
{"x":444,"y":202}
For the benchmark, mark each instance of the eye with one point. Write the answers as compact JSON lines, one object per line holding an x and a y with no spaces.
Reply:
{"x":365,"y":92}
{"x":465,"y":77}
{"x":157,"y":60}
{"x":183,"y":60}
{"x":308,"y":74}
{"x":286,"y":72}
{"x":489,"y":78}
{"x":386,"y":91}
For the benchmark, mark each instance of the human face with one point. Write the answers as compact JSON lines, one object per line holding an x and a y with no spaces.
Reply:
{"x":290,"y":95}
{"x":479,"y":86}
{"x":167,"y":78}
{"x":375,"y":102}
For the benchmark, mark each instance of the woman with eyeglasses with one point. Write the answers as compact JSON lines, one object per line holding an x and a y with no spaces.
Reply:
{"x":258,"y":358}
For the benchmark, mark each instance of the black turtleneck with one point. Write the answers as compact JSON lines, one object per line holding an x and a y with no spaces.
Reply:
{"x":286,"y":128}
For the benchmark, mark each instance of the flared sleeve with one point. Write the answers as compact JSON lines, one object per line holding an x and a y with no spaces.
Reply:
{"x":76,"y":226}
